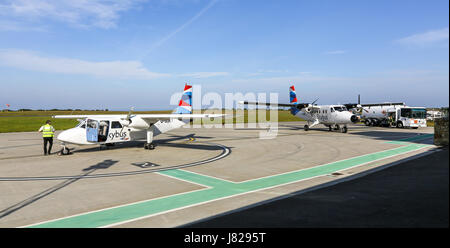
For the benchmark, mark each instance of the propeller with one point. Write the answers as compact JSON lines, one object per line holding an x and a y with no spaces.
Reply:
{"x":127,"y":120}
{"x":314,"y":101}
{"x":308,"y":109}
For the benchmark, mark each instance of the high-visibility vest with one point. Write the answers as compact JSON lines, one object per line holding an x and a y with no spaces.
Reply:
{"x":47,"y":131}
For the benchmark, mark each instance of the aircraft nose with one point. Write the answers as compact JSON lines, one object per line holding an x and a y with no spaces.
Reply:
{"x":354,"y":118}
{"x":63,"y":136}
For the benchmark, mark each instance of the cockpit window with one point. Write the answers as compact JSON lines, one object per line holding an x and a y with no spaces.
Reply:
{"x":340,"y":108}
{"x":116,"y":124}
{"x":82,"y":124}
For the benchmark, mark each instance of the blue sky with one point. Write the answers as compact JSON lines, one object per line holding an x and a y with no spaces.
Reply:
{"x":116,"y":54}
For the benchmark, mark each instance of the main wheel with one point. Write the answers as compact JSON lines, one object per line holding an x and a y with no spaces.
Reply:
{"x":151,"y":146}
{"x":306,"y":128}
{"x":367,"y":122}
{"x":64,"y":151}
{"x":344,"y":129}
{"x":399,"y":124}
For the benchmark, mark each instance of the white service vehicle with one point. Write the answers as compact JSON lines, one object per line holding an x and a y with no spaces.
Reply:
{"x":433,"y":114}
{"x":393,"y":115}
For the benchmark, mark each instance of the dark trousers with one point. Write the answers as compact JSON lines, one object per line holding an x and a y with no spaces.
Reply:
{"x":50,"y":141}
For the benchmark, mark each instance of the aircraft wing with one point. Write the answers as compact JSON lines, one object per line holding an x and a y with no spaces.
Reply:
{"x":382,"y":104}
{"x":143,"y":116}
{"x":177,"y":116}
{"x":298,"y":105}
{"x":87,"y":116}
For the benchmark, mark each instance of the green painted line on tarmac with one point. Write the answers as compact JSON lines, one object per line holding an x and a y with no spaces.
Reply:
{"x":215,"y":189}
{"x":406,"y":141}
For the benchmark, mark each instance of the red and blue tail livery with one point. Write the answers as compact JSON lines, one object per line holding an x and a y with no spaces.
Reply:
{"x":185,"y":104}
{"x":293,"y":100}
{"x":292,"y":95}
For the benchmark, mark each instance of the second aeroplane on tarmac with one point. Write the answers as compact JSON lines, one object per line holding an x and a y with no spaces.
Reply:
{"x":110,"y":129}
{"x":333,"y":116}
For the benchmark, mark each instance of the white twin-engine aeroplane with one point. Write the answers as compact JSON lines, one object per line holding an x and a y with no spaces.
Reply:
{"x":336,"y":116}
{"x":110,"y":129}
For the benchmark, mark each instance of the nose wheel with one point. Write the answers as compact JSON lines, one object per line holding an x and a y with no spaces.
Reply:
{"x":149,"y":146}
{"x":64,"y":150}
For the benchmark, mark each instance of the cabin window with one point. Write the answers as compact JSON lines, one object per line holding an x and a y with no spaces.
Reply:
{"x":116,"y":124}
{"x":92,"y":124}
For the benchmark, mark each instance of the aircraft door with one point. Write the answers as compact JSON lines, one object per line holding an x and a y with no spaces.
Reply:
{"x":92,"y":130}
{"x":332,"y":115}
{"x":103,"y":131}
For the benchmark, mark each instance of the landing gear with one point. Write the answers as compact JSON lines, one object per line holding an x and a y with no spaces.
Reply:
{"x":64,"y":150}
{"x":342,"y":129}
{"x":149,"y":146}
{"x":306,"y":127}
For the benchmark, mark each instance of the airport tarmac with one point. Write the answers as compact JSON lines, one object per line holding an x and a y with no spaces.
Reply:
{"x":193,"y":174}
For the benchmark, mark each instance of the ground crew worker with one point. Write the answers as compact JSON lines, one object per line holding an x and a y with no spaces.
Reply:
{"x":391,"y":121}
{"x":47,"y":133}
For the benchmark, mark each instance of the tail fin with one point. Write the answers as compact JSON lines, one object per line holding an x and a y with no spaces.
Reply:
{"x":293,"y":100}
{"x":292,"y":95}
{"x":185,"y":104}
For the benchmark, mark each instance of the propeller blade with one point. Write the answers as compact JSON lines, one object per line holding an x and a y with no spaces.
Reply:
{"x":129,"y":113}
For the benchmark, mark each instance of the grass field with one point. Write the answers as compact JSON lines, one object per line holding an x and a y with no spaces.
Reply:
{"x":29,"y":121}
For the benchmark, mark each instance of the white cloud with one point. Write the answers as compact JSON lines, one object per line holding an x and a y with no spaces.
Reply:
{"x":426,"y":38}
{"x":80,"y":13}
{"x":204,"y":74}
{"x":27,"y":60}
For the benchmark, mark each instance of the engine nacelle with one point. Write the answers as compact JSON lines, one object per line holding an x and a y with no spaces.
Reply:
{"x":354,"y":118}
{"x":125,"y":123}
{"x":308,"y":109}
{"x":139,"y":123}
